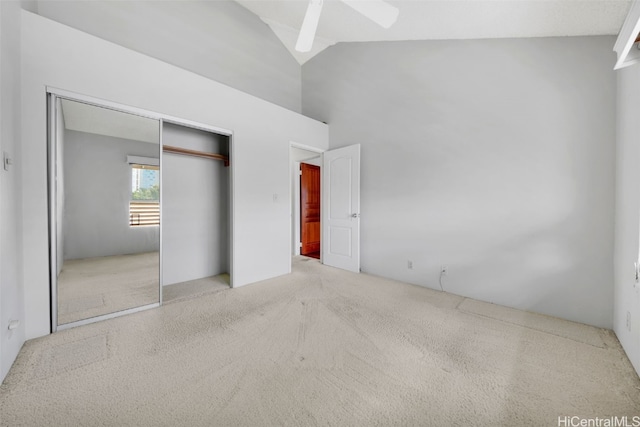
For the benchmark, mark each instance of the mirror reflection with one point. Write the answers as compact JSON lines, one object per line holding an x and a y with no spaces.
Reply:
{"x":107,"y":211}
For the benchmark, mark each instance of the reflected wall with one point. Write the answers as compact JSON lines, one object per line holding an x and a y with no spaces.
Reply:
{"x":107,"y":212}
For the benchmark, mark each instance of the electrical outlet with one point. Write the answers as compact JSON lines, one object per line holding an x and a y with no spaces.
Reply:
{"x":410,"y":265}
{"x":629,"y":321}
{"x":444,"y":270}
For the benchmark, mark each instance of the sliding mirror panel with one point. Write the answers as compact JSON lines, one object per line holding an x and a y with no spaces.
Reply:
{"x":105,"y":185}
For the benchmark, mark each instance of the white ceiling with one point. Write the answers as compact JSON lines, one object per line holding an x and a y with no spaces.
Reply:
{"x":444,"y":19}
{"x":103,"y":121}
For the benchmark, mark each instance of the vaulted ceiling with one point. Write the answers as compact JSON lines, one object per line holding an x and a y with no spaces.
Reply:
{"x":444,"y":19}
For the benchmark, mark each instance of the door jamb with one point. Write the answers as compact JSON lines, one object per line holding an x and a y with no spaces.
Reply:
{"x":292,"y":172}
{"x":295,"y":213}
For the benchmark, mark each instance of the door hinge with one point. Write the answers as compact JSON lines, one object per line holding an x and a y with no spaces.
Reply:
{"x":300,"y":172}
{"x":300,"y":244}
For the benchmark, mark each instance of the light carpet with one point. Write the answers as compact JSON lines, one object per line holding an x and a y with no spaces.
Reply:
{"x":321,"y":346}
{"x":92,"y":287}
{"x":194,"y":288}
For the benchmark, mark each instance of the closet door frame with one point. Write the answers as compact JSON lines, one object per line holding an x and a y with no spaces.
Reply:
{"x":54,"y":95}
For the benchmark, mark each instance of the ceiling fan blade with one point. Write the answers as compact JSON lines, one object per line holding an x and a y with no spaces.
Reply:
{"x":309,"y":26}
{"x":380,"y":12}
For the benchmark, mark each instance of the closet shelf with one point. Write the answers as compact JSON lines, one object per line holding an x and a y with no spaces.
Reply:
{"x":196,"y":153}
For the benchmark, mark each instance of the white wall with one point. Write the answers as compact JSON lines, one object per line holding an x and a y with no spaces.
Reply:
{"x":195,"y":207}
{"x":219,"y":40}
{"x":11,"y":291}
{"x":493,"y":157}
{"x":59,"y":56}
{"x":627,"y":220}
{"x":97,"y":195}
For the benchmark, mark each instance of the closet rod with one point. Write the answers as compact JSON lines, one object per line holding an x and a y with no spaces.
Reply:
{"x":179,"y":150}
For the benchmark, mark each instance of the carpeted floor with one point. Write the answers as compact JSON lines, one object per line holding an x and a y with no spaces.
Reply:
{"x":195,"y":288}
{"x":92,"y":287}
{"x":321,"y":347}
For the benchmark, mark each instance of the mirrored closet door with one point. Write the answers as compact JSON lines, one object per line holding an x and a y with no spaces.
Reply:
{"x":104,"y":183}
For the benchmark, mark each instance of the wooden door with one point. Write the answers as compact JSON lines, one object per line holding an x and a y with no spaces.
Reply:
{"x":310,"y":210}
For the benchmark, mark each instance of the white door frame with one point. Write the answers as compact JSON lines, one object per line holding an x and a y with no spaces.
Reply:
{"x":295,"y":209}
{"x":336,"y":260}
{"x":294,"y":199}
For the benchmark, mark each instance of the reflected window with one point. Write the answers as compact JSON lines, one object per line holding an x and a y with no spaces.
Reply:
{"x":144,"y":207}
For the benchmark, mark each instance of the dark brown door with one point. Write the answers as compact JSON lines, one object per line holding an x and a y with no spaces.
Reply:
{"x":310,"y":210}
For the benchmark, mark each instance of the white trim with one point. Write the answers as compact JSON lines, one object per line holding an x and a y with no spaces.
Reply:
{"x":52,"y":105}
{"x":61,"y":93}
{"x":296,"y":208}
{"x":160,"y":252}
{"x":98,"y":102}
{"x":306,"y":147}
{"x":232,"y":218}
{"x":626,"y":39}
{"x":106,"y":316}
